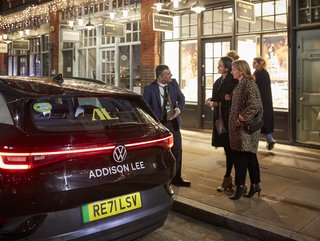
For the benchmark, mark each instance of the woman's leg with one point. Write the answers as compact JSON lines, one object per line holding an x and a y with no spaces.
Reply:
{"x":254,"y":172}
{"x":253,"y":167}
{"x":240,"y":166}
{"x":229,"y":160}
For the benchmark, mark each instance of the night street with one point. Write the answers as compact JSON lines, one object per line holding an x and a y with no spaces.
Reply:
{"x":183,"y":228}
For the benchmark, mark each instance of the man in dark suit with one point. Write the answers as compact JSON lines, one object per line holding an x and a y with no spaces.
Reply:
{"x":167,"y":101}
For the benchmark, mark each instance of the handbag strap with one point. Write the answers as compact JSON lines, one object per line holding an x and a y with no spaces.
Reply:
{"x":219,"y":108}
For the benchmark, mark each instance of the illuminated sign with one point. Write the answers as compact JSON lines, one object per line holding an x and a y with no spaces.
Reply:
{"x":245,"y":11}
{"x":20,"y":45}
{"x":162,"y":22}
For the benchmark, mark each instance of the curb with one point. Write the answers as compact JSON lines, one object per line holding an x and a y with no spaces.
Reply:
{"x":235,"y":222}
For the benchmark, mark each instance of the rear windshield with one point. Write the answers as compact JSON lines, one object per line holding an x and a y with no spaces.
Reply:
{"x":87,"y":113}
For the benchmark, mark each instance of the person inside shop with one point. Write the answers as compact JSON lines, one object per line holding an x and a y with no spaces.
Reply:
{"x":264,"y":85}
{"x":220,"y":102}
{"x":167,"y":101}
{"x":245,"y":106}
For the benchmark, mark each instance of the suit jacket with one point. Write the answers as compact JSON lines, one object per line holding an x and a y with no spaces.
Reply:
{"x":151,"y":95}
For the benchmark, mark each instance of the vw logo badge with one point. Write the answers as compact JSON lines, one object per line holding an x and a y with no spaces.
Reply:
{"x":119,"y":154}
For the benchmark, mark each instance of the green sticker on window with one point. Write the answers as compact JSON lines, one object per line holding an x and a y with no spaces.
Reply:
{"x":42,"y":107}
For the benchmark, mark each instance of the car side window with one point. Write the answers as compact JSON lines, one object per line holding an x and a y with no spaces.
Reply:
{"x":5,"y":116}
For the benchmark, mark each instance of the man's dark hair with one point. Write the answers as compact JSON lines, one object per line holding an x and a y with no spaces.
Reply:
{"x":160,"y":68}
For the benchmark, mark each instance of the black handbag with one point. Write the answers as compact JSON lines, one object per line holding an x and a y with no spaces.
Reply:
{"x":253,"y":125}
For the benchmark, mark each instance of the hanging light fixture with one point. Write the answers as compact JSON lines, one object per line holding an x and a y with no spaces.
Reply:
{"x":175,"y":3}
{"x":158,"y":5}
{"x":70,"y":23}
{"x":20,"y":32}
{"x":125,"y":13}
{"x":198,"y":7}
{"x":112,"y":15}
{"x":89,"y":25}
{"x":27,"y":31}
{"x":80,"y":22}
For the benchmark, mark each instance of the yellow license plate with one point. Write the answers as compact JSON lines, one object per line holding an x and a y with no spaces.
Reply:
{"x":110,"y":207}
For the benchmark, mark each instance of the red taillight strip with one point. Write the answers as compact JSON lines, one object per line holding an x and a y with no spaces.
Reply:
{"x":168,"y":138}
{"x":57,"y":152}
{"x":13,"y":166}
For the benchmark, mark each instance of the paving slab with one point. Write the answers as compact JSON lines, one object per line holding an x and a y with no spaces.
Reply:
{"x":288,"y":207}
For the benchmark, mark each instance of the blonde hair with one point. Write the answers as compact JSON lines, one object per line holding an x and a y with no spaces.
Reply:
{"x":233,"y":55}
{"x":261,"y":62}
{"x":243,"y":66}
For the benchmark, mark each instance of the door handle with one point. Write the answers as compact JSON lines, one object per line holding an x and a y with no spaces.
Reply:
{"x":301,"y":98}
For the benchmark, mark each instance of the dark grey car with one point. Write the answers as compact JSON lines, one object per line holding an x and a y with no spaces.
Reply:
{"x":80,"y":160}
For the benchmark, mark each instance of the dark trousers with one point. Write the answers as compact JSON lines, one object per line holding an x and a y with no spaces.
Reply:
{"x":246,"y":161}
{"x":174,"y":128}
{"x":229,"y":160}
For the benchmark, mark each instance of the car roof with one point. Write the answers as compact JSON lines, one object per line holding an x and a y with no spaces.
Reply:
{"x":70,"y":86}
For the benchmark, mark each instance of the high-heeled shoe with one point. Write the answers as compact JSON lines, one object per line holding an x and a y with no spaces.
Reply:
{"x":240,"y":191}
{"x":253,"y":189}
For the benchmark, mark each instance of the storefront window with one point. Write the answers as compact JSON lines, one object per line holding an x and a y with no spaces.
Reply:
{"x":270,"y":16}
{"x":184,"y":26}
{"x":108,"y":66}
{"x":308,"y":11}
{"x":274,"y":50}
{"x":217,"y":21}
{"x":189,"y":70}
{"x":187,"y":73}
{"x":124,"y":52}
{"x":172,"y":49}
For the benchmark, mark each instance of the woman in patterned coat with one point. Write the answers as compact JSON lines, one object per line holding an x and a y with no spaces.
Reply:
{"x":246,"y":104}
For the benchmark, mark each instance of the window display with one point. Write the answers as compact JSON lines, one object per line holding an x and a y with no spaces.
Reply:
{"x":274,"y":50}
{"x":189,"y":70}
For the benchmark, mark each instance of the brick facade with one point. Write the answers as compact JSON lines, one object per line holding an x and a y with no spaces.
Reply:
{"x":150,"y":43}
{"x":54,"y":42}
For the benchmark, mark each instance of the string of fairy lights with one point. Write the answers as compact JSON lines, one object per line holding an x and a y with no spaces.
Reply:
{"x":35,"y":15}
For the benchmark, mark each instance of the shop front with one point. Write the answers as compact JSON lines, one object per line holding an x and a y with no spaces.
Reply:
{"x":267,"y":32}
{"x":114,"y":41}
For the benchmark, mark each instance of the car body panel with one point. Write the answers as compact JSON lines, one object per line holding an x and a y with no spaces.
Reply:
{"x":72,"y":160}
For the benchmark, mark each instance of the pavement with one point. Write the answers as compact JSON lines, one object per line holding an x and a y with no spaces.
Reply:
{"x":289,"y":204}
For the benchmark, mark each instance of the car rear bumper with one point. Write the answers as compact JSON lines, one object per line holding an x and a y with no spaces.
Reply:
{"x":68,"y":224}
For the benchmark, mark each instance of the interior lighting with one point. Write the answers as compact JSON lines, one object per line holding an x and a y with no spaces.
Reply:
{"x":70,"y":23}
{"x":158,"y":6}
{"x":5,"y":36}
{"x":112,"y":15}
{"x":20,"y":32}
{"x":198,"y":7}
{"x":80,"y":22}
{"x":125,"y":13}
{"x":27,"y":31}
{"x":175,"y":3}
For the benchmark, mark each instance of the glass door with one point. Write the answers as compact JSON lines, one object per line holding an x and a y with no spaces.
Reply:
{"x":308,"y":87}
{"x":212,"y":51}
{"x":108,"y":65}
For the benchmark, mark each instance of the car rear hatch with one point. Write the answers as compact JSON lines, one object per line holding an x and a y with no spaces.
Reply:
{"x":65,"y":151}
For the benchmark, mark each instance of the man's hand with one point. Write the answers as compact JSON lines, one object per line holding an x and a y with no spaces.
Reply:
{"x":177,"y":112}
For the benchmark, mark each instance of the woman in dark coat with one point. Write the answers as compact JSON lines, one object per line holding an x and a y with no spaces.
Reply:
{"x":221,"y":102}
{"x":264,"y":85}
